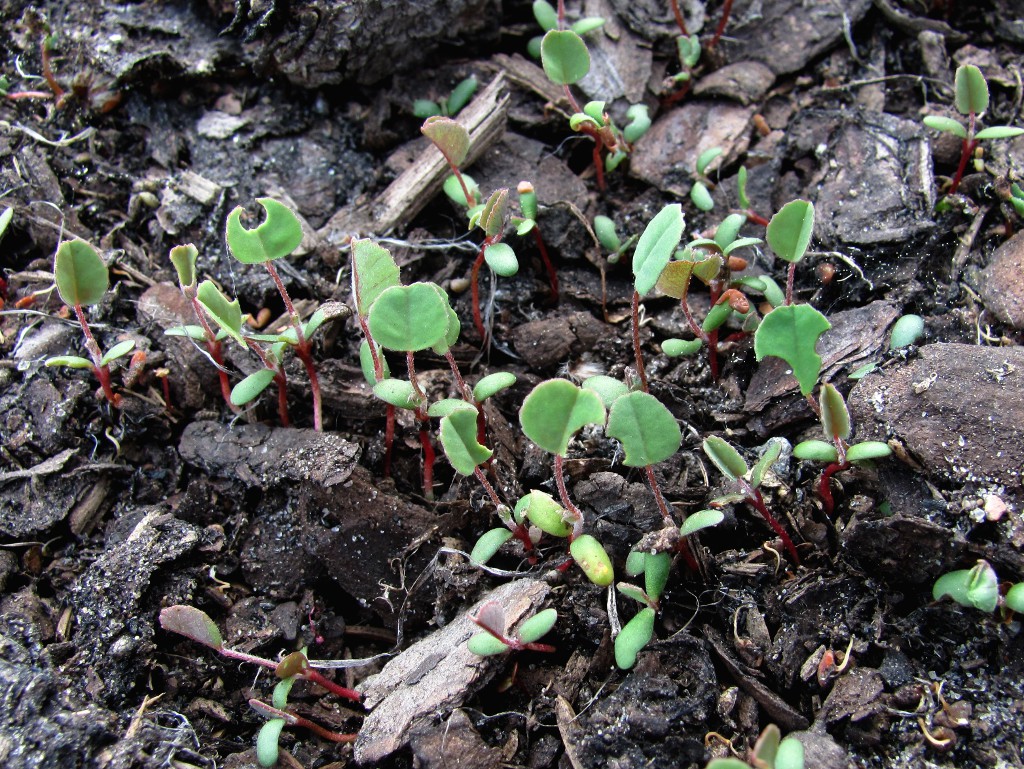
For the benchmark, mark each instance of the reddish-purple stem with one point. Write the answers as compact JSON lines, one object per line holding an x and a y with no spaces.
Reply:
{"x":548,"y":266}
{"x":563,"y":494}
{"x":679,"y":17}
{"x":637,"y":352}
{"x":757,"y":502}
{"x":825,"y":488}
{"x":720,"y":29}
{"x":790,"y":278}
{"x":101,"y":371}
{"x":474,"y":287}
{"x":302,"y":348}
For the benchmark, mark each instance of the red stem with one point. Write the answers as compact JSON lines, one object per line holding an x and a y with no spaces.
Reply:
{"x":320,"y":731}
{"x":672,"y":98}
{"x":637,"y":353}
{"x":756,"y":218}
{"x":720,"y":29}
{"x":790,"y":278}
{"x":662,"y":505}
{"x":757,"y":502}
{"x":282,"y":398}
{"x":51,"y":81}
{"x":302,"y":348}
{"x":101,"y":371}
{"x":825,"y":488}
{"x":312,"y":674}
{"x":548,"y":266}
{"x":967,"y":147}
{"x":563,"y":493}
{"x":679,"y":17}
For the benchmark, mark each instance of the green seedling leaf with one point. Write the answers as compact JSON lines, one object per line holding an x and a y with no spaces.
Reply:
{"x":587,"y":24}
{"x":1014,"y":598}
{"x":729,"y":230}
{"x":289,"y":667}
{"x":544,"y":513}
{"x":754,"y":283}
{"x":716,"y":317}
{"x":446,"y":406}
{"x":399,"y":393}
{"x":595,"y":111}
{"x":739,"y":243}
{"x":971,"y":90}
{"x":267,"y":751}
{"x":68,"y":361}
{"x":645,"y":427}
{"x":409,"y":318}
{"x":675,"y":348}
{"x":450,"y":137}
{"x":701,"y":196}
{"x":977,"y":587}
{"x":604,"y":228}
{"x":494,"y":215}
{"x":451,"y":335}
{"x":702,"y":519}
{"x":946,"y":125}
{"x":773,"y":292}
{"x":525,"y":226}
{"x":865,"y":450}
{"x":862,"y":371}
{"x":580,"y":119}
{"x":502,"y":259}
{"x":278,"y":235}
{"x":117,"y":351}
{"x":81,"y":276}
{"x":592,"y":559}
{"x":538,"y":626}
{"x":461,"y":94}
{"x":527,"y":200}
{"x":765,"y":748}
{"x":675,"y":278}
{"x":636,"y":561}
{"x":725,"y":457}
{"x":373,"y":271}
{"x":489,"y":544}
{"x":555,"y":410}
{"x":741,"y":188}
{"x":486,"y":645}
{"x":727,"y":763}
{"x":533,"y":47}
{"x":636,"y":634}
{"x":791,"y":332}
{"x":632,"y":591}
{"x":226,"y":314}
{"x":545,"y":14}
{"x":5,"y":220}
{"x":184,"y":260}
{"x":191,"y":623}
{"x":835,"y":418}
{"x":999,"y":132}
{"x":689,"y":50}
{"x":453,"y":189}
{"x":907,"y":330}
{"x":564,"y":57}
{"x":366,"y":363}
{"x":656,"y":571}
{"x":424,"y":108}
{"x":656,"y":245}
{"x":816,"y":451}
{"x":250,"y":387}
{"x":492,"y":384}
{"x":458,"y":438}
{"x":639,"y":122}
{"x":789,"y":231}
{"x":790,"y":754}
{"x":768,"y":458}
{"x":608,"y":388}
{"x":705,"y":158}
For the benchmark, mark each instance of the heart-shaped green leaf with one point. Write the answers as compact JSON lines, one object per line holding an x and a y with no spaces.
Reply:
{"x":409,"y":318}
{"x":564,"y":57}
{"x":555,"y":410}
{"x":791,"y":332}
{"x":278,"y":235}
{"x":645,"y":427}
{"x":81,"y":276}
{"x":656,"y":246}
{"x":458,"y":438}
{"x":448,"y":136}
{"x":789,"y":231}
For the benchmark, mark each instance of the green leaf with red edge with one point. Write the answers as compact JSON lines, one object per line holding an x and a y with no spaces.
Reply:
{"x":278,"y":235}
{"x":81,"y":276}
{"x":192,"y":623}
{"x":791,"y":332}
{"x":449,"y":136}
{"x":835,"y":418}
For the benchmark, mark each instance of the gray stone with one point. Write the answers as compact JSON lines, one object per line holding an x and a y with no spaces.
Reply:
{"x":1001,"y":286}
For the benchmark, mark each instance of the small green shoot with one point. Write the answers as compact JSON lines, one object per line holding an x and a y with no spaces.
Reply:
{"x":906,"y":331}
{"x":494,"y":640}
{"x":974,"y":588}
{"x":450,"y":106}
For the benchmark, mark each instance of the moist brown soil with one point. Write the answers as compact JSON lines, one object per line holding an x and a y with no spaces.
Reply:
{"x":287,"y":537}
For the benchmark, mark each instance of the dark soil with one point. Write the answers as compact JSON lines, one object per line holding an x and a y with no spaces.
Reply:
{"x":287,"y":537}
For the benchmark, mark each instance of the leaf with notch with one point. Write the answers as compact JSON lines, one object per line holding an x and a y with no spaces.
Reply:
{"x":373,"y":271}
{"x":555,"y":410}
{"x":225,"y":313}
{"x":645,"y":427}
{"x":184,"y":260}
{"x":791,"y":332}
{"x":278,"y":235}
{"x":449,"y":136}
{"x":458,"y":438}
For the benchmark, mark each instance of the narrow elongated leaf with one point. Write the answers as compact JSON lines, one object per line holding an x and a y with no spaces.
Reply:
{"x":632,"y":591}
{"x":555,"y":410}
{"x":789,"y":231}
{"x":946,"y":125}
{"x":458,"y":438}
{"x":68,"y":361}
{"x":564,"y":57}
{"x":1014,"y":598}
{"x":278,"y":235}
{"x":656,"y":245}
{"x":656,"y":571}
{"x":999,"y":132}
{"x":645,"y":427}
{"x":373,"y":271}
{"x":538,"y":626}
{"x":544,"y":513}
{"x":604,"y":228}
{"x":192,"y":623}
{"x":488,"y":545}
{"x":977,"y":587}
{"x":409,"y":318}
{"x":81,"y":276}
{"x":766,"y":746}
{"x":768,"y":458}
{"x":675,"y":348}
{"x":636,"y":634}
{"x":399,"y":393}
{"x":816,"y":451}
{"x":587,"y":24}
{"x":865,"y":450}
{"x":461,"y":94}
{"x":702,"y":519}
{"x":225,"y":313}
{"x":267,"y":750}
{"x":486,"y":645}
{"x":494,"y":214}
{"x":790,"y":754}
{"x":249,"y":388}
{"x":705,"y":158}
{"x":700,"y":195}
{"x":791,"y":332}
{"x":835,"y":418}
{"x":545,"y":14}
{"x":725,"y":457}
{"x":971,"y":90}
{"x":592,"y":559}
{"x":492,"y":384}
{"x":117,"y":351}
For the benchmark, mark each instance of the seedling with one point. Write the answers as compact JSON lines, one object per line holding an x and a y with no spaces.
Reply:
{"x":184,"y":260}
{"x":459,"y":98}
{"x":978,"y":588}
{"x":906,"y":331}
{"x":637,"y":633}
{"x":547,"y":17}
{"x":82,"y":279}
{"x":492,"y":218}
{"x":835,"y":421}
{"x":196,"y":625}
{"x":496,"y":640}
{"x":769,"y":752}
{"x":526,"y":224}
{"x":689,"y":51}
{"x":550,"y":416}
{"x":277,"y":236}
{"x":700,"y":195}
{"x":734,"y":467}
{"x":971,"y":100}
